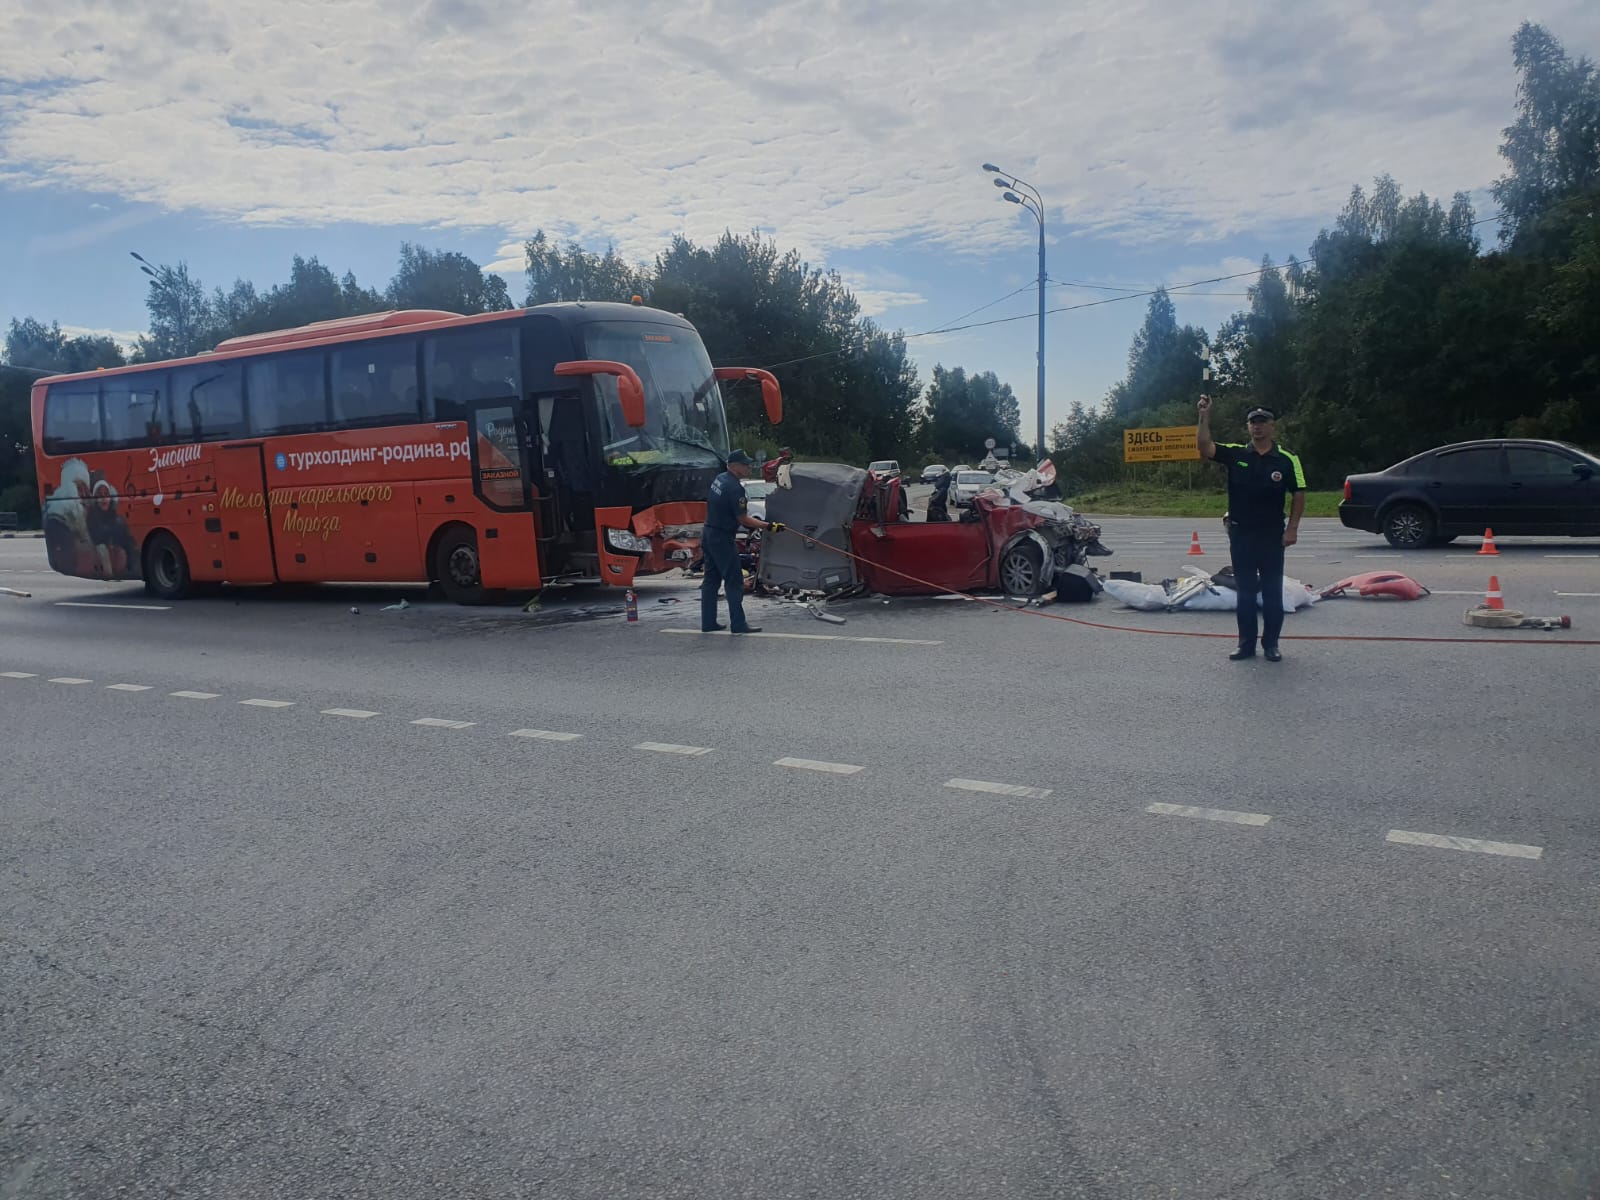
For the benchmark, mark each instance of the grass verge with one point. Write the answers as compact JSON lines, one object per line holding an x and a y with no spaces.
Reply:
{"x":1179,"y":502}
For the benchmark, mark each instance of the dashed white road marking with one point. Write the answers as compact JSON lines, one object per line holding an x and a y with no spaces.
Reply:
{"x":1209,"y":814}
{"x":268,"y":703}
{"x":1572,"y":555}
{"x":545,"y":735}
{"x":18,"y":675}
{"x":127,"y":687}
{"x":1476,"y":845}
{"x":100,"y":604}
{"x":1444,"y":592}
{"x":70,"y":679}
{"x":812,"y":764}
{"x":997,"y":789}
{"x":1590,"y":595}
{"x":808,"y":637}
{"x":357,"y":714}
{"x":194,"y":695}
{"x":441,"y":723}
{"x":669,"y":748}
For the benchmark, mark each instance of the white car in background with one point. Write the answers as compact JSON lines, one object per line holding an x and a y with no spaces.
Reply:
{"x":756,"y":492}
{"x":966,"y":485}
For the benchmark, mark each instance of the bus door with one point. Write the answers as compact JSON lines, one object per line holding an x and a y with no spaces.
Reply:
{"x":238,"y":534}
{"x":567,"y":476}
{"x":508,"y":552}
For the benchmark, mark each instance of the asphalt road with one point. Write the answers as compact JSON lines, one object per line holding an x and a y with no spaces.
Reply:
{"x":299,"y":901}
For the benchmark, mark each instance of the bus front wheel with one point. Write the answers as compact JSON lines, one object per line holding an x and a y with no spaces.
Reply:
{"x":457,"y":568}
{"x":166,"y":567}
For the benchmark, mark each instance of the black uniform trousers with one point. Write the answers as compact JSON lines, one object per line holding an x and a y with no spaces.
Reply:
{"x":1258,"y":566}
{"x":722,"y":571}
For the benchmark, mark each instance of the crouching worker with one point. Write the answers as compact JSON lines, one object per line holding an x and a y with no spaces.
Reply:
{"x":726,"y":510}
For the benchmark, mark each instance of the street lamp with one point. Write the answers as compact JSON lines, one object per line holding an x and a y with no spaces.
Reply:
{"x":1034,"y":203}
{"x":164,"y":283}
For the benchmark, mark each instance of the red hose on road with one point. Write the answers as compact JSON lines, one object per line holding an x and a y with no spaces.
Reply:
{"x":1192,"y":633}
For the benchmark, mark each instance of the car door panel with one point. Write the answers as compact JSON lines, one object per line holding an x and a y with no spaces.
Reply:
{"x":1545,"y":490}
{"x":1469,"y":489}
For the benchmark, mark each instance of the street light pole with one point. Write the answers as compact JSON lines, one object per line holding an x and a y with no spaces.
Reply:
{"x":1034,"y":203}
{"x":163,"y":281}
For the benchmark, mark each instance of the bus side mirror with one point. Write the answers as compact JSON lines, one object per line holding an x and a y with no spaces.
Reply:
{"x":771,"y":394}
{"x":630,"y":390}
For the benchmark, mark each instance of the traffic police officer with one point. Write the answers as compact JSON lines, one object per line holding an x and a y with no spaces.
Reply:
{"x":726,"y":510}
{"x":1260,"y":474}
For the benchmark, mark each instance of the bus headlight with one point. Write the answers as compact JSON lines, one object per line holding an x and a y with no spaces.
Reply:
{"x":626,"y":541}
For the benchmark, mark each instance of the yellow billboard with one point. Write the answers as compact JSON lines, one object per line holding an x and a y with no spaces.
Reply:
{"x":1172,"y":444}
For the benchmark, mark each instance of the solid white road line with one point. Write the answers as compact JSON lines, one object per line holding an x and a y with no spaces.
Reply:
{"x":808,"y":637}
{"x":1477,"y":845}
{"x":1209,"y":814}
{"x":997,"y":789}
{"x":669,"y":748}
{"x":545,"y":735}
{"x":98,"y":604}
{"x":18,"y":675}
{"x":194,"y":695}
{"x":440,"y":723}
{"x":70,"y":679}
{"x":127,"y":687}
{"x":1591,"y":595}
{"x":1443,"y":592}
{"x":1572,"y":555}
{"x":357,"y":714}
{"x":268,"y":703}
{"x":811,"y":764}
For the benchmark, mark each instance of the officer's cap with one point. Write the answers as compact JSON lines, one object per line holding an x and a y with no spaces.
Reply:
{"x":739,"y":456}
{"x":1260,"y":414}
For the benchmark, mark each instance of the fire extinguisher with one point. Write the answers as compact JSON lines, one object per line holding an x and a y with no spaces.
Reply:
{"x":632,"y":604}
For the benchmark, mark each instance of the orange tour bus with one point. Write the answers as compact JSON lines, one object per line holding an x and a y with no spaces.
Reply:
{"x":487,"y":453}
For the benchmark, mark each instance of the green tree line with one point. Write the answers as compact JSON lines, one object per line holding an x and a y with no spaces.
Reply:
{"x":1399,"y":332}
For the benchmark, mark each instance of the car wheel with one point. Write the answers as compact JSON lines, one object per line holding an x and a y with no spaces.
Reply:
{"x":456,"y":565}
{"x":1408,"y":526}
{"x":1020,"y":570}
{"x":166,"y":567}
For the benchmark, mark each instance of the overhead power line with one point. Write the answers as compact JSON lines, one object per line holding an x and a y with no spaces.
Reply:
{"x":1064,"y":308}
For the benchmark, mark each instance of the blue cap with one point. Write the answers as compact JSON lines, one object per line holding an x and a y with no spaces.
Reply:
{"x":739,"y":456}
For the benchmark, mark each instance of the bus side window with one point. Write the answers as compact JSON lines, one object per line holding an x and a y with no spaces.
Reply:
{"x":468,"y":367}
{"x":287,"y":393}
{"x":72,"y":418}
{"x":136,"y":410}
{"x":208,"y":402}
{"x":375,"y":382}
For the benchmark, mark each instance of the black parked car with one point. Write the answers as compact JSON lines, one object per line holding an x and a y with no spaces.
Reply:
{"x":1510,"y":485}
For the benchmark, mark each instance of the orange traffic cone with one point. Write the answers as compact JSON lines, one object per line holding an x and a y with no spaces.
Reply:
{"x":1488,"y":543}
{"x":1492,"y":598}
{"x":1194,"y":545}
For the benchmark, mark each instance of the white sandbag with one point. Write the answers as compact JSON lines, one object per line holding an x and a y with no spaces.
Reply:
{"x":1295,"y":596}
{"x":1222,"y":599}
{"x":1146,"y":597}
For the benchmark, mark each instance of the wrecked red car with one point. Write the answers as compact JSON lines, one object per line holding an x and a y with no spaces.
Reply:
{"x":844,"y":533}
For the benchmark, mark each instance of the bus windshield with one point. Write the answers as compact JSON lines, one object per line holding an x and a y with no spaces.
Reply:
{"x":684,"y":422}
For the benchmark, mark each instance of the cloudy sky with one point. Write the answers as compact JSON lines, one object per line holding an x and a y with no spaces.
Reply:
{"x":1172,"y":142}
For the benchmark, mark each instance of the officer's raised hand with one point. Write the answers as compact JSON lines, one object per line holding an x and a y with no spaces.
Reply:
{"x":1204,"y":405}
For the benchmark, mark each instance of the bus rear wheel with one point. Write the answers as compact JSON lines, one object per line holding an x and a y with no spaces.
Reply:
{"x":166,"y":567}
{"x":457,"y":567}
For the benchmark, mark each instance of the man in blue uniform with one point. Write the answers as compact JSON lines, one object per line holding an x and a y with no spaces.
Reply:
{"x":726,"y":510}
{"x":1260,"y":475}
